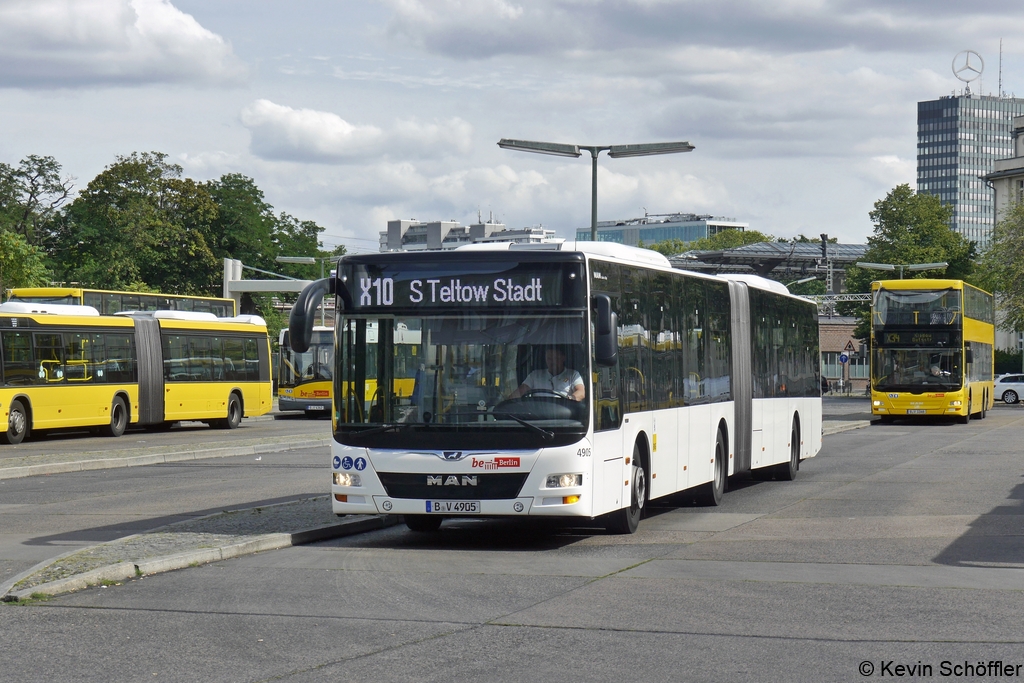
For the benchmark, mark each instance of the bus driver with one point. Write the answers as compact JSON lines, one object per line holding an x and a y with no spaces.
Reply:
{"x":555,"y":377}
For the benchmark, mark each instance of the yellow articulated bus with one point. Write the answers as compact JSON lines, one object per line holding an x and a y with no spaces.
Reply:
{"x":109,"y":302}
{"x":931,"y":349}
{"x":68,"y":367}
{"x":305,"y":381}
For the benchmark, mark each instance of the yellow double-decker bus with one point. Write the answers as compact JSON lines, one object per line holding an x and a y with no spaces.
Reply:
{"x":109,"y":302}
{"x":931,"y":349}
{"x":69,"y":367}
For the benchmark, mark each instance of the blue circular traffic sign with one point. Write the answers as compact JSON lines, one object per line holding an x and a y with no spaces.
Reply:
{"x":843,"y":358}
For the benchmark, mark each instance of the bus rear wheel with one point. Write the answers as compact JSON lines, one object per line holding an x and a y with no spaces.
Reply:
{"x":787,"y":470}
{"x":234,"y":417}
{"x":17,"y":424}
{"x":118,"y":418}
{"x":422,"y":523}
{"x":627,"y":520}
{"x":711,"y":493}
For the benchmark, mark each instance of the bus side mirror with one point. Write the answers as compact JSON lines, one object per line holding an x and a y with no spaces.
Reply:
{"x":606,"y":341}
{"x":303,"y":315}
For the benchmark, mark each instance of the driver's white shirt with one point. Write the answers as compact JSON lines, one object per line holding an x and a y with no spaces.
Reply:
{"x":563,"y":383}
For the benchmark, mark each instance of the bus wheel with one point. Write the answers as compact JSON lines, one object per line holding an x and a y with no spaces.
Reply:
{"x":712,"y":492}
{"x":118,"y":418}
{"x":422,"y":523}
{"x":17,"y":424}
{"x":1010,"y":397}
{"x":787,"y":470}
{"x":234,"y":417}
{"x":984,"y":406}
{"x":627,"y":520}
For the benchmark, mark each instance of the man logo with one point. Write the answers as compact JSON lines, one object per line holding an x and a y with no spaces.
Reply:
{"x":451,"y":480}
{"x":451,"y":455}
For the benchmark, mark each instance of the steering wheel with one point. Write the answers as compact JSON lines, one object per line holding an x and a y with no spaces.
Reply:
{"x":543,"y":392}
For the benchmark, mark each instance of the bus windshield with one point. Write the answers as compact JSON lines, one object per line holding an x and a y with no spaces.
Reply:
{"x":316,"y":364}
{"x":468,"y":373}
{"x":916,"y":369}
{"x":909,"y":307}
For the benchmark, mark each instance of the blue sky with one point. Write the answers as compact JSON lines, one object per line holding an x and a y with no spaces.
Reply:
{"x":351,"y":113}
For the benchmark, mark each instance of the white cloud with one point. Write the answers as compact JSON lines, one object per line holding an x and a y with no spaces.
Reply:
{"x":76,"y":43}
{"x":283,"y":133}
{"x":486,"y":28}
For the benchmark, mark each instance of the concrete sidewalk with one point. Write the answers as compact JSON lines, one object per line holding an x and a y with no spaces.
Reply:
{"x":207,"y":539}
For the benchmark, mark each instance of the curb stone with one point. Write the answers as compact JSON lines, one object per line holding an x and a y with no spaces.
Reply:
{"x":844,"y":427}
{"x":122,"y":571}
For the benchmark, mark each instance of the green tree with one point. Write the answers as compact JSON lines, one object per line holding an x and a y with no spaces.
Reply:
{"x":31,"y":196}
{"x":245,"y":225}
{"x":21,"y":264}
{"x":909,"y":228}
{"x":138,"y":224}
{"x":1003,"y":264}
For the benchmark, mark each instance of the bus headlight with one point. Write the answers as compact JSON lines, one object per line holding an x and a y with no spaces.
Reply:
{"x":346,"y":479}
{"x":562,"y":481}
{"x":956,"y":403}
{"x":876,"y":403}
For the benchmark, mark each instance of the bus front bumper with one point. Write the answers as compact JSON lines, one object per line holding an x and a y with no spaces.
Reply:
{"x":319,"y":405}
{"x":916,"y":405}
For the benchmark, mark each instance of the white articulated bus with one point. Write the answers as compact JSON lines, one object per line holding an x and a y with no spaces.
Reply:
{"x":571,"y":380}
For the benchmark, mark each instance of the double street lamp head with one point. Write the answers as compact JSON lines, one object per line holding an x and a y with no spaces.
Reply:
{"x":560,"y":149}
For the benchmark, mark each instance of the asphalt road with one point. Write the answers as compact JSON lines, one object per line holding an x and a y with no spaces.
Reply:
{"x":898,"y":545}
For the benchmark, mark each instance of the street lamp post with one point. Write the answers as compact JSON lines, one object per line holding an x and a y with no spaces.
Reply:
{"x":614,"y":151}
{"x":912,"y":266}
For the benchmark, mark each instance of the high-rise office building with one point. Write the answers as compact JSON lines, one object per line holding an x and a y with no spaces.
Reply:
{"x":959,"y":137}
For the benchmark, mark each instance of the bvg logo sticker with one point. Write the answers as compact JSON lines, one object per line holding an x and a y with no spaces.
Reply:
{"x":495,"y":463}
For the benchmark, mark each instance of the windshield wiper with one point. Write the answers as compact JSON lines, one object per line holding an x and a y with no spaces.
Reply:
{"x":543,"y":432}
{"x":383,"y":428}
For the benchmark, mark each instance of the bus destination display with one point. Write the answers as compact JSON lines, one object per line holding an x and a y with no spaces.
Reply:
{"x":423,"y":288}
{"x":914,"y":338}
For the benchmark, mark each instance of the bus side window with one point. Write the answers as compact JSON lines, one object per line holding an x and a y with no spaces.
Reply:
{"x":78,"y":365}
{"x":234,"y":359}
{"x":19,"y":365}
{"x":49,"y":357}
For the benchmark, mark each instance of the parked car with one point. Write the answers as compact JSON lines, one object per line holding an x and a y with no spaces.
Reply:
{"x":1010,"y":388}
